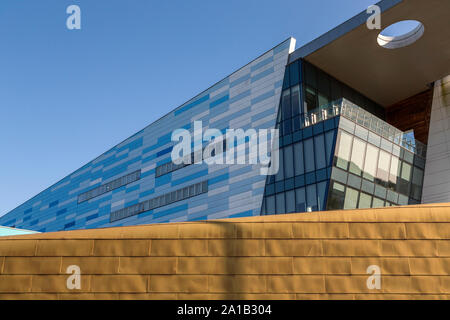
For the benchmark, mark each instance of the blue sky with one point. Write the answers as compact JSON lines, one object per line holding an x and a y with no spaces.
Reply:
{"x":66,"y":96}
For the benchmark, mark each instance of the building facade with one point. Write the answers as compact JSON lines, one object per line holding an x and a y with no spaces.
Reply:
{"x":342,"y":144}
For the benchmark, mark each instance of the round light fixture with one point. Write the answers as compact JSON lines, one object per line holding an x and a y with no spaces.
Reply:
{"x":401,"y":34}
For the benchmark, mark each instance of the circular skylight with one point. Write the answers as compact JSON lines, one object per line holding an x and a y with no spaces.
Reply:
{"x":401,"y":34}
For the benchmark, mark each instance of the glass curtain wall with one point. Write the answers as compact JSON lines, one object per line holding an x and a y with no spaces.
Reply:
{"x":320,"y":89}
{"x":370,"y":171}
{"x":306,"y":154}
{"x":322,"y":169}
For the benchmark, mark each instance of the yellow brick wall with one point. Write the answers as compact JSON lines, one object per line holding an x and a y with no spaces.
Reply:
{"x":321,"y":255}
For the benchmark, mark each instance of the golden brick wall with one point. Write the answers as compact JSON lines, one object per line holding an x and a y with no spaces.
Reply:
{"x":321,"y":255}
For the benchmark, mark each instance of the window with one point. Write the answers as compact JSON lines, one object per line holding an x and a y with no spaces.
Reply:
{"x":343,"y":150}
{"x":270,"y":205}
{"x":310,"y":74}
{"x":417,"y":181}
{"x":280,"y":203}
{"x":286,"y":104}
{"x":298,"y":158}
{"x":310,"y":99}
{"x":394,"y":172}
{"x":384,"y":162}
{"x":294,"y":73}
{"x":377,"y":203}
{"x":280,"y":174}
{"x":311,"y":198}
{"x":300,"y":200}
{"x":357,"y":159}
{"x":290,"y":201}
{"x":336,"y":198}
{"x":321,"y":192}
{"x":351,"y":198}
{"x":371,"y":162}
{"x":165,"y":199}
{"x":115,"y":184}
{"x":295,"y":99}
{"x":405,"y":177}
{"x":319,"y":147}
{"x":365,"y":200}
{"x":288,"y":162}
{"x":329,"y":141}
{"x":309,"y":155}
{"x":323,"y":100}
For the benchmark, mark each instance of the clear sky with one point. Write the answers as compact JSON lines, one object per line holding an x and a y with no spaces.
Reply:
{"x":67,"y":96}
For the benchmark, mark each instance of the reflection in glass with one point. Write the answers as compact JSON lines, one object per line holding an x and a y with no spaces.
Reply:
{"x":343,"y":152}
{"x":370,"y":163}
{"x":309,"y":155}
{"x":377,"y":203}
{"x":286,"y":104}
{"x":270,"y":205}
{"x":310,"y":99}
{"x":300,"y":204}
{"x":319,"y":146}
{"x":336,"y":197}
{"x":288,"y":162}
{"x":417,"y":181}
{"x":357,"y":160}
{"x":394,"y":172}
{"x":290,"y":201}
{"x":383,"y":168}
{"x":298,"y":158}
{"x":280,"y":203}
{"x":295,"y":96}
{"x":365,"y":200}
{"x":351,"y":198}
{"x":311,"y":200}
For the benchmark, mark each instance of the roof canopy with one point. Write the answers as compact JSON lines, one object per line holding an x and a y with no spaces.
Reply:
{"x":351,"y":52}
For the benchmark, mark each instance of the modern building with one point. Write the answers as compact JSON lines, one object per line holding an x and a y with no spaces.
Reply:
{"x":362,"y":119}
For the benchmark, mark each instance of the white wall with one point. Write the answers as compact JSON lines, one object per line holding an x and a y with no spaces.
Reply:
{"x":437,"y":170}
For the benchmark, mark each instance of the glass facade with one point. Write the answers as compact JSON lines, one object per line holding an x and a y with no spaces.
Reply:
{"x":306,"y":153}
{"x":305,"y":168}
{"x":371,"y":171}
{"x":336,"y":151}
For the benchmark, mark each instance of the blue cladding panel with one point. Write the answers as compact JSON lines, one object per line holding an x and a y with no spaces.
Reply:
{"x":248,"y":98}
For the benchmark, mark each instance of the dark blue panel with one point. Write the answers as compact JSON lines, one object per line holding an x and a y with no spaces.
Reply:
{"x":68,"y":225}
{"x":307,"y":132}
{"x":219,"y":101}
{"x":321,"y":175}
{"x":270,"y":189}
{"x":298,"y":136}
{"x":279,"y":186}
{"x":318,"y":128}
{"x":287,"y":140}
{"x":310,"y":178}
{"x":93,"y":216}
{"x":328,"y":124}
{"x":164,"y":151}
{"x":54,"y":203}
{"x":289,"y":184}
{"x":286,"y":83}
{"x":191,"y":105}
{"x":218,"y":179}
{"x":299,"y":181}
{"x":294,"y":73}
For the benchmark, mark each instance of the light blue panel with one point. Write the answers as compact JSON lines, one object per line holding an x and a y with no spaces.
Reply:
{"x":5,"y":231}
